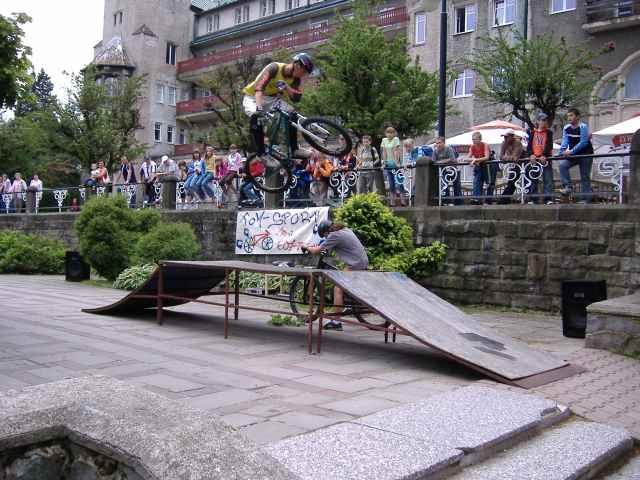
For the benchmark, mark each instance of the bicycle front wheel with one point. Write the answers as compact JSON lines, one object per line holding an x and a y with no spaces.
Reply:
{"x":325,"y":135}
{"x":276,"y":174}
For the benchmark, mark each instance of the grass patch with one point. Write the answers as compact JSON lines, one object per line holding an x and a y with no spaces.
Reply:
{"x":278,"y":320}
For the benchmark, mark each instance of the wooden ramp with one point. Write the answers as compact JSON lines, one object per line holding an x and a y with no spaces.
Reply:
{"x":438,"y":324}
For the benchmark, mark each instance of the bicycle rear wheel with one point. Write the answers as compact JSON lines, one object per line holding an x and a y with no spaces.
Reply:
{"x":324,"y":135}
{"x":299,"y":296}
{"x":276,"y":176}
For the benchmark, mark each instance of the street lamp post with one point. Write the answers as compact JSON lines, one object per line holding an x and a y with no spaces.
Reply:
{"x":442,"y":100}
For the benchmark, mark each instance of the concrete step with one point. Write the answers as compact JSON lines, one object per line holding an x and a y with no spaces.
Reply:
{"x":628,"y":470}
{"x":427,"y":439}
{"x":574,"y":450}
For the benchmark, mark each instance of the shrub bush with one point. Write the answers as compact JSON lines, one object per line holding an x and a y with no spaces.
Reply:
{"x":134,"y":277}
{"x":21,"y":253}
{"x":381,"y":232}
{"x":418,"y":263}
{"x":107,"y":228}
{"x":167,"y":241}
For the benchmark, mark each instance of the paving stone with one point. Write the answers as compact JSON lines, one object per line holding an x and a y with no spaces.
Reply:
{"x":10,"y":383}
{"x":168,"y":382}
{"x":565,"y":452}
{"x":468,"y":418}
{"x":268,"y":408}
{"x":268,"y":432}
{"x":54,"y":373}
{"x":240,"y":419}
{"x":25,"y":340}
{"x":279,"y":372}
{"x":361,"y":405}
{"x":220,"y":399}
{"x":306,"y":421}
{"x":126,"y":370}
{"x":342,"y":384}
{"x":309,"y":398}
{"x":17,"y":364}
{"x":226,"y":378}
{"x":357,"y":452}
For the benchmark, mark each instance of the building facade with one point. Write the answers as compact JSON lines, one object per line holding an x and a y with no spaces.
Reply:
{"x":149,"y":38}
{"x":590,"y":23}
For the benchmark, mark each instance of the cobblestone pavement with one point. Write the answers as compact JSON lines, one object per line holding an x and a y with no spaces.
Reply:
{"x":261,"y":378}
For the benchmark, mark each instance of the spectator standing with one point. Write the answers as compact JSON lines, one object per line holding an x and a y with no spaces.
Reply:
{"x":234,"y":164}
{"x":148,"y":177}
{"x":367,"y":158}
{"x":510,"y":151}
{"x":322,"y":174}
{"x":102,"y":175}
{"x":18,"y":188}
{"x":182,"y":177}
{"x":576,"y":141}
{"x":167,"y":167}
{"x":390,"y":148}
{"x":478,"y":157}
{"x":444,"y":155}
{"x":5,"y":189}
{"x":36,"y":183}
{"x":128,"y":174}
{"x":189,"y":184}
{"x":540,"y":149}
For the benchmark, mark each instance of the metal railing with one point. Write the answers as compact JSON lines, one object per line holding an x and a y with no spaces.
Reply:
{"x":522,"y":181}
{"x":506,"y":182}
{"x":305,"y":37}
{"x":603,"y":10}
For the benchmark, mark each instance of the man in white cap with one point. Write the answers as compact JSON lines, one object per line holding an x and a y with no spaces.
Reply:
{"x":167,"y":167}
{"x":510,"y":151}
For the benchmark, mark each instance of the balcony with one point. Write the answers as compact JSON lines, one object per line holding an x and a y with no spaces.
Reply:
{"x":387,"y":18}
{"x":605,"y":15}
{"x":187,"y":149}
{"x":193,"y":108}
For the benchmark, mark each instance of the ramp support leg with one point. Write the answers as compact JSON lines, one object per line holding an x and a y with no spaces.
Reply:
{"x":394,"y":334}
{"x":160,"y":292}
{"x":236,"y":300}
{"x":310,"y":319}
{"x":320,"y":314}
{"x":226,"y":303}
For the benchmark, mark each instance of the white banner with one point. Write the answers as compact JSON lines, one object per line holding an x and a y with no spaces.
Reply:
{"x":277,"y":232}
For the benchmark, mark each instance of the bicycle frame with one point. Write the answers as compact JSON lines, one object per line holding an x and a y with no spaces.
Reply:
{"x":283,"y":117}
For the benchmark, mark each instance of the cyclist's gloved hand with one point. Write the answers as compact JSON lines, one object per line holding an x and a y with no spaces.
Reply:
{"x":281,"y":85}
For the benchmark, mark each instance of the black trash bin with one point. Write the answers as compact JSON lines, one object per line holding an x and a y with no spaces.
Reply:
{"x":576,"y":296}
{"x":76,"y":269}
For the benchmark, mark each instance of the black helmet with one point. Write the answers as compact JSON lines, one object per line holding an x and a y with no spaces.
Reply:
{"x":323,"y":228}
{"x":305,"y":60}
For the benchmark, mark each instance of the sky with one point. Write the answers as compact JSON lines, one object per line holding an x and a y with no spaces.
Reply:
{"x":61,"y":34}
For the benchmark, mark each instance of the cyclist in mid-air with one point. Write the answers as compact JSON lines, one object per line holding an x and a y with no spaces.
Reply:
{"x":348,"y":249}
{"x":276,"y":80}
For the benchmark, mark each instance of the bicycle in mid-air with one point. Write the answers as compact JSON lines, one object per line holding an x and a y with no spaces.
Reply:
{"x":299,"y":298}
{"x":277,"y":162}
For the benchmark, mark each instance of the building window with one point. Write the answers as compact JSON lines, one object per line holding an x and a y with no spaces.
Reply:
{"x":182,"y":138}
{"x":421,"y":28}
{"x":171,"y":53}
{"x":632,"y":82}
{"x":504,"y":12}
{"x":558,"y":6}
{"x":171,"y":95}
{"x":607,"y":93}
{"x":159,"y":92}
{"x":213,"y":23}
{"x":498,"y":80}
{"x":117,"y":18}
{"x":170,"y":132}
{"x":465,"y":19}
{"x":238,"y":16}
{"x":185,"y":96}
{"x":271,"y":7}
{"x":317,"y":30}
{"x":291,"y":4}
{"x":120,"y":17}
{"x":157,"y":132}
{"x":463,"y":86}
{"x":245,"y":13}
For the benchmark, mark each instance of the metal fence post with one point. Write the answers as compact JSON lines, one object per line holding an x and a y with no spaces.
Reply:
{"x":634,"y":170}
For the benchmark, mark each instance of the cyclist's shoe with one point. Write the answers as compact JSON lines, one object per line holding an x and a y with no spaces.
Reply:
{"x":301,"y":153}
{"x":333,"y":325}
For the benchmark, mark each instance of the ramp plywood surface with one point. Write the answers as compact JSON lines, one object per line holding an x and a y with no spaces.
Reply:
{"x":440,"y":325}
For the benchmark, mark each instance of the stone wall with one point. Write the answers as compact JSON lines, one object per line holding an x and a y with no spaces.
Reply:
{"x":514,"y":256}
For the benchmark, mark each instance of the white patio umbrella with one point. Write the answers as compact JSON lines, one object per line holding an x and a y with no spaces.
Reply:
{"x":491,"y":136}
{"x":617,"y":135}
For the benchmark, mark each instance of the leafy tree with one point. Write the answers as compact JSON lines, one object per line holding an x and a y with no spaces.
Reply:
{"x":14,"y":59}
{"x":40,"y":96}
{"x":100,"y":119}
{"x":370,"y":81}
{"x":529,"y":75}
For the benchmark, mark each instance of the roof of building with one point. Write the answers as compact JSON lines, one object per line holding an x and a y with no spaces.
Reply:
{"x":144,"y":30}
{"x":113,"y":54}
{"x":205,"y":5}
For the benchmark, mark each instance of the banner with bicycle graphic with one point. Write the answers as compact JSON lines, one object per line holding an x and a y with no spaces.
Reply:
{"x":278,"y":232}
